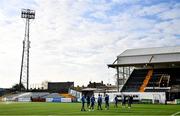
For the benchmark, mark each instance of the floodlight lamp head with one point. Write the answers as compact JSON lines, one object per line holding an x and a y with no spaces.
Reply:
{"x":28,"y":14}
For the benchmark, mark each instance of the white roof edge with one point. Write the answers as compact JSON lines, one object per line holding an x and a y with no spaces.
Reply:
{"x":150,"y":51}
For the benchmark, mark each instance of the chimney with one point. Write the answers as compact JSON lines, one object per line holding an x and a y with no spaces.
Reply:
{"x":101,"y":82}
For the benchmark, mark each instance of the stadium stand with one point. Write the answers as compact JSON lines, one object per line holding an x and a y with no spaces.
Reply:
{"x":11,"y":97}
{"x":161,"y":80}
{"x":154,"y":70}
{"x":146,"y":80}
{"x":40,"y":97}
{"x":65,"y":95}
{"x":53,"y":95}
{"x":33,"y":94}
{"x":15,"y":97}
{"x":135,"y":80}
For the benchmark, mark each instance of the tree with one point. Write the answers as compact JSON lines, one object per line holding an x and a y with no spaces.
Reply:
{"x":18,"y":87}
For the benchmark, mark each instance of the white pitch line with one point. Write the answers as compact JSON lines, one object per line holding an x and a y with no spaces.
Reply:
{"x":175,"y":114}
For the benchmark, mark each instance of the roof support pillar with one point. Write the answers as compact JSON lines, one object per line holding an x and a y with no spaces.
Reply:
{"x":123,"y":76}
{"x":117,"y":68}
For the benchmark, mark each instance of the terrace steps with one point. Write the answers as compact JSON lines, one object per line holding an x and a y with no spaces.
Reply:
{"x":146,"y":80}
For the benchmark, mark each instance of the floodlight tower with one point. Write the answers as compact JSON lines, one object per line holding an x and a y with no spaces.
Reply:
{"x":27,"y":14}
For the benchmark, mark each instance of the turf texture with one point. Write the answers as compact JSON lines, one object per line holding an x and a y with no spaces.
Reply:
{"x":37,"y":108}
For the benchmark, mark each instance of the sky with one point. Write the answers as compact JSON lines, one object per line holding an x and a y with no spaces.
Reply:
{"x":74,"y":40}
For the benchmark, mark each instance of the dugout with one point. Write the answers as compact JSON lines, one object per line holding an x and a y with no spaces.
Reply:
{"x":88,"y":91}
{"x":149,"y":70}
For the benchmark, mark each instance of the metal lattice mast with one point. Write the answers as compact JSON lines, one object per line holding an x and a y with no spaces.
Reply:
{"x":24,"y":74}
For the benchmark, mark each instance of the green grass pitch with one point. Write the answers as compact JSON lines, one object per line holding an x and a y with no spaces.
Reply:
{"x":74,"y":109}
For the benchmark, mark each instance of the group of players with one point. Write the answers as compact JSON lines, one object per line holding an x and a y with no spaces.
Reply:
{"x":91,"y":102}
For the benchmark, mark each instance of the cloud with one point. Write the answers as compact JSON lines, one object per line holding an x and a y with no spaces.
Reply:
{"x":73,"y":40}
{"x":171,"y":14}
{"x":154,"y":9}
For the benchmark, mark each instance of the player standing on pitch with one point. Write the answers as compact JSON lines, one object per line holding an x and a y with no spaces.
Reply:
{"x":92,"y":103}
{"x":130,"y":100}
{"x":83,"y":102}
{"x":88,"y":101}
{"x":107,"y":102}
{"x":116,"y":101}
{"x":99,"y":102}
{"x":123,"y":101}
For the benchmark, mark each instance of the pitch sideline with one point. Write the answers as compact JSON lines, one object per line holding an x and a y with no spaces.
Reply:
{"x":175,"y":114}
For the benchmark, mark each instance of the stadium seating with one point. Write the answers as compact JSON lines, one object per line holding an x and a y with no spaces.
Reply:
{"x":65,"y":95}
{"x":38,"y":96}
{"x":53,"y":95}
{"x":11,"y":97}
{"x":14,"y":97}
{"x":162,"y":80}
{"x":175,"y":88}
{"x":146,"y":80}
{"x":135,"y":80}
{"x":33,"y":94}
{"x":154,"y":81}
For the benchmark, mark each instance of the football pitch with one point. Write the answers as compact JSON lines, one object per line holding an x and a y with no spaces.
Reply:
{"x":37,"y":108}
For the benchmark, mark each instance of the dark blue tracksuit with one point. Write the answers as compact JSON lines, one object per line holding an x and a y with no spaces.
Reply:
{"x":88,"y":101}
{"x":92,"y":102}
{"x":99,"y":103}
{"x":83,"y":102}
{"x":107,"y":102}
{"x":116,"y":101}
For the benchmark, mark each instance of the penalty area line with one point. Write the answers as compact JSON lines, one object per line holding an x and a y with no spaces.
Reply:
{"x":175,"y":114}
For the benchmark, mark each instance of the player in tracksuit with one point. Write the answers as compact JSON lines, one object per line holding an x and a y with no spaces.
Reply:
{"x":116,"y":101}
{"x":107,"y":102}
{"x":123,"y":101}
{"x":130,"y":100}
{"x":83,"y":102}
{"x":92,"y":103}
{"x":99,"y":102}
{"x":88,"y":101}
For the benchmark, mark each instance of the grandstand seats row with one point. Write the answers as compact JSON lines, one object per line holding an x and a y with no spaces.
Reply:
{"x":36,"y":96}
{"x":162,"y":80}
{"x":135,"y":80}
